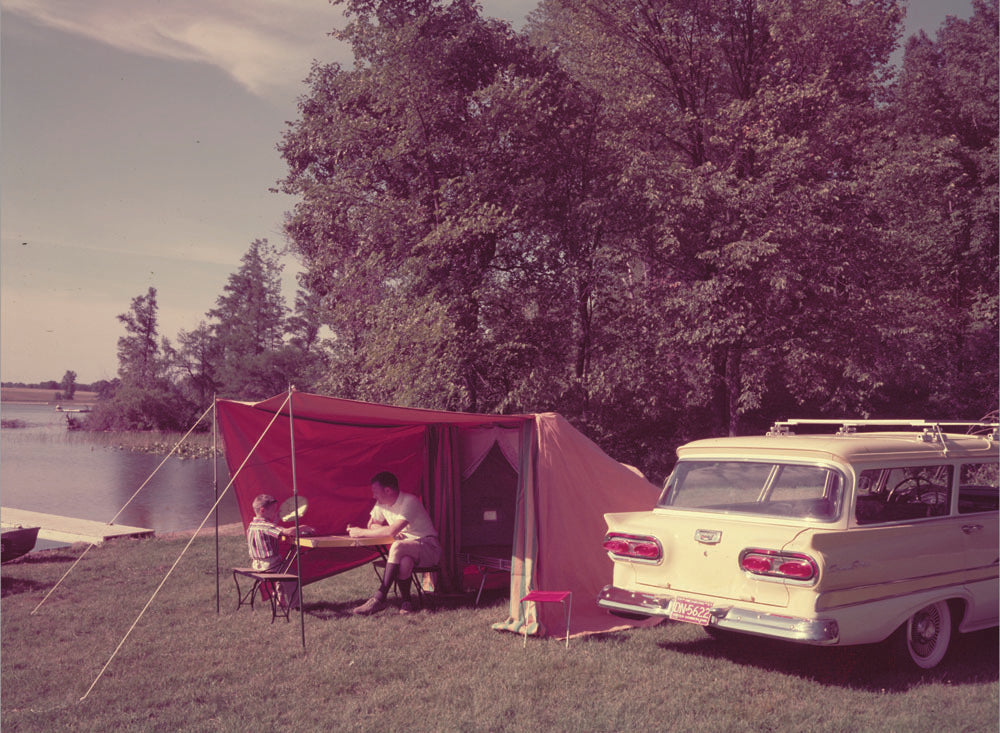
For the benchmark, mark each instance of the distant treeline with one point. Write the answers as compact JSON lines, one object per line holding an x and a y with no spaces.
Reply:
{"x":97,"y":387}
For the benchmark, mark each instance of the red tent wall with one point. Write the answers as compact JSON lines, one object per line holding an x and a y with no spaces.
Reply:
{"x":339,"y":446}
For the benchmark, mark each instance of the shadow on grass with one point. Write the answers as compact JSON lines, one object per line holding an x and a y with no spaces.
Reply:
{"x":972,"y":658}
{"x":434,"y":603}
{"x":15,"y":586}
{"x":46,"y":557}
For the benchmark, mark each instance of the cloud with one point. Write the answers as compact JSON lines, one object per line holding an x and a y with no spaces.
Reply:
{"x":267,"y":46}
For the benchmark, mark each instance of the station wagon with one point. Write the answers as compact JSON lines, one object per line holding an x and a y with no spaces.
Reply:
{"x":880,"y":529}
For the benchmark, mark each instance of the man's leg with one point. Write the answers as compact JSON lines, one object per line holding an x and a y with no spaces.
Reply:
{"x":397,"y":560}
{"x":406,"y":564}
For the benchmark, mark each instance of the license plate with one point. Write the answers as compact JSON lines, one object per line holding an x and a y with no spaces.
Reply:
{"x":693,"y":612}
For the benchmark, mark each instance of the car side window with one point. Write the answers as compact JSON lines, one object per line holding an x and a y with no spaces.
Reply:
{"x":902,"y":494}
{"x":978,"y":488}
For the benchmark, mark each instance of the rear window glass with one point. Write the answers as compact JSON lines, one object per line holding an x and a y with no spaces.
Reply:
{"x":743,"y":487}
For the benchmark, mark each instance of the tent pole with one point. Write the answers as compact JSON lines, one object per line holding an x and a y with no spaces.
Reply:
{"x":295,"y":494}
{"x":215,"y":485}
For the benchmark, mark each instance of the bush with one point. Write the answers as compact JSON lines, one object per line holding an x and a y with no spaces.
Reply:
{"x":137,"y":408}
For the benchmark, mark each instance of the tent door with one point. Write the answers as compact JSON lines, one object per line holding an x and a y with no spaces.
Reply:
{"x":489,"y":501}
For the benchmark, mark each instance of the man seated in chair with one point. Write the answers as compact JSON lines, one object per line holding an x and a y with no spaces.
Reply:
{"x":403,"y":517}
{"x":263,"y":537}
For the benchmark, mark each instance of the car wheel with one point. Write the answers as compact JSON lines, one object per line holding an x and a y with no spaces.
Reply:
{"x":925,"y":635}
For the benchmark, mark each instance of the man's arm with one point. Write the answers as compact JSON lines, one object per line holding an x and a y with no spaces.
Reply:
{"x":378,"y":529}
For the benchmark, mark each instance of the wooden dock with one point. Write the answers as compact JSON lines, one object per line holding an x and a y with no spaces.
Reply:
{"x":68,"y":529}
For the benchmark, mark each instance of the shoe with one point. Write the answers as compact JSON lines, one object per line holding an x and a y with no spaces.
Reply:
{"x":372,"y":605}
{"x":406,"y":608}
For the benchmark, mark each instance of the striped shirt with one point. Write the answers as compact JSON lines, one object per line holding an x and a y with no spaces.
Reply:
{"x":262,"y":539}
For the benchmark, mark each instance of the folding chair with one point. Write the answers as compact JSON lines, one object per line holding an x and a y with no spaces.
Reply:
{"x":379,"y":567}
{"x":564,"y":597}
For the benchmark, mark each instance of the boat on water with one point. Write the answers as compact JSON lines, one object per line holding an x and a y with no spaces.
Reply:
{"x":17,"y":541}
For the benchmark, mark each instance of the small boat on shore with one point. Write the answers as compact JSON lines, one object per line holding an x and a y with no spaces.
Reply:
{"x":17,"y":541}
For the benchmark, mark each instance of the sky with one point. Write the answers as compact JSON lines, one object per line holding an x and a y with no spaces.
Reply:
{"x":138,"y":148}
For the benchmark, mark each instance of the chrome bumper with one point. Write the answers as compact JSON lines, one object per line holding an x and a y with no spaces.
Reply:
{"x":822,"y":631}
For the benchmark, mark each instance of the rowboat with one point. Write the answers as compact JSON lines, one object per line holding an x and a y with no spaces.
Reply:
{"x":17,"y":541}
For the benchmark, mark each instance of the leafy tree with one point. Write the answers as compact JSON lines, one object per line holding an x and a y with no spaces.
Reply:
{"x":937,"y":190}
{"x":456,"y":214}
{"x":68,"y":385}
{"x":745,"y":121}
{"x":196,"y":360}
{"x":143,"y":399}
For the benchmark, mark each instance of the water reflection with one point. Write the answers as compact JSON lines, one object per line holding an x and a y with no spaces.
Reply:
{"x":46,"y":468}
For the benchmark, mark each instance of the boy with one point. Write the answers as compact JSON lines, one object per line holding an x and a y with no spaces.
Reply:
{"x":263,"y":541}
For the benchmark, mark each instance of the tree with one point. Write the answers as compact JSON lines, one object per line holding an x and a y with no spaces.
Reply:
{"x":456,"y":213}
{"x":138,"y":349}
{"x":68,"y":385}
{"x":144,"y":398}
{"x":196,"y":360}
{"x":247,"y":330}
{"x":937,"y":194}
{"x":745,"y":121}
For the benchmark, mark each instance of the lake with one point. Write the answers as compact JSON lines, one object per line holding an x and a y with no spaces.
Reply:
{"x":46,"y":468}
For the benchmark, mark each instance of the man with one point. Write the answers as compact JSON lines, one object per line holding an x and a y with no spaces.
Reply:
{"x":403,"y":517}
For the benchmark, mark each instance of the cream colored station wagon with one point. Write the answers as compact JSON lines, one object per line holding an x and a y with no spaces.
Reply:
{"x":832,"y":539}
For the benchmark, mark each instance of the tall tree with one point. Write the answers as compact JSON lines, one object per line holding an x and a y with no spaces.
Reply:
{"x":139,"y":349}
{"x":248,"y":327}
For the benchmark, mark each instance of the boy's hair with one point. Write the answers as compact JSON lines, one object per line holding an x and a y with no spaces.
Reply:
{"x":261,"y":501}
{"x":386,"y":479}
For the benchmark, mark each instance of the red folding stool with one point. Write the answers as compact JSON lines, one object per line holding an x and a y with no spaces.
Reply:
{"x":564,"y":597}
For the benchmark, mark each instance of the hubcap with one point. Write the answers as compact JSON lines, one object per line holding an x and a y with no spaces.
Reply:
{"x":924,"y":632}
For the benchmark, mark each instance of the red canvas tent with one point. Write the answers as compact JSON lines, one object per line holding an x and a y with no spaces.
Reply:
{"x":548,"y":517}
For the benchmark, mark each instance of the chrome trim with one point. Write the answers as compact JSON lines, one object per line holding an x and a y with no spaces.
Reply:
{"x":708,"y":536}
{"x":820,"y":631}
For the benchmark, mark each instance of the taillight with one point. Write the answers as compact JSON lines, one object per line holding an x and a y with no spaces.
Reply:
{"x":639,"y":547}
{"x":774,"y":564}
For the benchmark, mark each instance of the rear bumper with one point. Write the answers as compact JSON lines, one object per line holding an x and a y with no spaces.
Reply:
{"x":821,"y":631}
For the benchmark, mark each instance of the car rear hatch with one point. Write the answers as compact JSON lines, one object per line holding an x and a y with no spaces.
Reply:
{"x":700,"y":554}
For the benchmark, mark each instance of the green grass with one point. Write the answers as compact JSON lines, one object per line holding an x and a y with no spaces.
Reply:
{"x":186,"y":667}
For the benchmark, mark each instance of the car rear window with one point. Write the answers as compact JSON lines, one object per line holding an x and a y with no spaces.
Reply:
{"x":760,"y":488}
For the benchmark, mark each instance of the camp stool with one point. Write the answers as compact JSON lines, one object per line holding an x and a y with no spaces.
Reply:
{"x":379,"y":566}
{"x":263,"y":579}
{"x":564,"y":597}
{"x":244,"y":598}
{"x":271,"y":581}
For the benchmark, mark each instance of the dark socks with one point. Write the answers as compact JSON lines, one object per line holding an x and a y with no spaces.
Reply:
{"x":391,"y":573}
{"x":404,"y":590}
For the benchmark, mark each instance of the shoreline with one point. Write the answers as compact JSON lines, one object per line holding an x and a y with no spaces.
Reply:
{"x":234,"y":529}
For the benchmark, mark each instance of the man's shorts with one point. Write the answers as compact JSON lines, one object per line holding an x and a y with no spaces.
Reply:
{"x":424,"y":551}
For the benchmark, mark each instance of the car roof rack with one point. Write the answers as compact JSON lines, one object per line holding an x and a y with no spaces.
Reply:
{"x":932,"y":430}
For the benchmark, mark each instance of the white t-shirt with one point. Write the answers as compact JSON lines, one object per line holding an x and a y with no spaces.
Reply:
{"x":408,"y":507}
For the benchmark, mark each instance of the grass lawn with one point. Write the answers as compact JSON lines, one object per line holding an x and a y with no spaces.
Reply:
{"x":186,"y":667}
